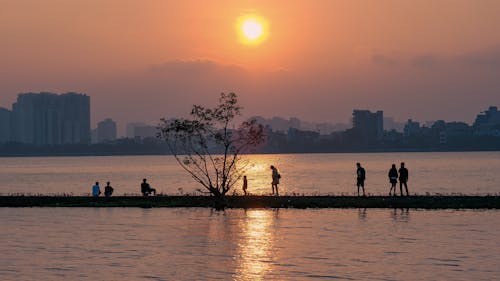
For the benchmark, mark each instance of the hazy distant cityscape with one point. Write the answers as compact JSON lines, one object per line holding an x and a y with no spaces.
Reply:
{"x":48,"y":123}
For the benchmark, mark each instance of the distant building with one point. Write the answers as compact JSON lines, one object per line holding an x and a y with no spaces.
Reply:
{"x":130,"y":129}
{"x":51,"y":119}
{"x":411,"y":128}
{"x":141,"y":131}
{"x":368,"y":125}
{"x":458,"y":130}
{"x":145,"y":132}
{"x":5,"y":125}
{"x":106,"y":130}
{"x":391,"y":124}
{"x":487,"y":123}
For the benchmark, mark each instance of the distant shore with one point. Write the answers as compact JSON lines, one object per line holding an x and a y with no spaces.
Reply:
{"x":300,"y":202}
{"x":27,"y":153}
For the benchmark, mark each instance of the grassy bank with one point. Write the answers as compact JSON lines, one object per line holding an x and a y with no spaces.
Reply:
{"x":419,"y":202}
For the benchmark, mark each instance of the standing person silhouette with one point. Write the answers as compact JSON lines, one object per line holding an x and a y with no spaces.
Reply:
{"x":403,"y":179}
{"x":245,"y":185}
{"x":276,"y":180}
{"x":360,"y":177}
{"x":393,"y":179}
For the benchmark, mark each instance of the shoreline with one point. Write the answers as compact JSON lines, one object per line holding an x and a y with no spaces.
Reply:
{"x":252,"y":201}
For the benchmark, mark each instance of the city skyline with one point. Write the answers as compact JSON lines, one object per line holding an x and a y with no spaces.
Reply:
{"x":122,"y":125}
{"x":144,"y":61}
{"x":57,"y":119}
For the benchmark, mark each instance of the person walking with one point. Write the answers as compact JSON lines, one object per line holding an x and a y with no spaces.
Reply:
{"x":393,"y":179}
{"x":360,"y":177}
{"x":276,"y":180}
{"x":245,"y":185}
{"x":108,"y":189}
{"x":403,"y":179}
{"x":96,"y":190}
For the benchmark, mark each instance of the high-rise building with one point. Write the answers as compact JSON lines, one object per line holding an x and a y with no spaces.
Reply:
{"x":106,"y":130}
{"x":411,"y":128}
{"x":487,"y":123}
{"x":141,"y":130}
{"x":5,"y":125}
{"x":130,"y":129}
{"x":368,"y":125}
{"x":51,"y":119}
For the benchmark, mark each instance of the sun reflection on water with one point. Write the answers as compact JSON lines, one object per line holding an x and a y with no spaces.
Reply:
{"x":254,"y":258}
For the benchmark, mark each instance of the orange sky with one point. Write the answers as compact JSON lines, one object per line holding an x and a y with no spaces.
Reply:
{"x":142,"y":60}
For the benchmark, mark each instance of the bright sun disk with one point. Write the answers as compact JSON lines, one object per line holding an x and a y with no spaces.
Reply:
{"x":252,"y":29}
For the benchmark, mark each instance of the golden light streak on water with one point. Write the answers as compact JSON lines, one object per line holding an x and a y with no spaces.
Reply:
{"x":254,"y":256}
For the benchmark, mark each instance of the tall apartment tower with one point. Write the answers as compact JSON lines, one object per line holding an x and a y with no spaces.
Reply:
{"x":370,"y":125}
{"x":106,"y":130}
{"x":51,"y":119}
{"x":5,"y":125}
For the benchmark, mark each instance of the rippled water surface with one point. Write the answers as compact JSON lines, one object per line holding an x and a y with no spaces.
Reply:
{"x":200,"y":244}
{"x":457,"y":172}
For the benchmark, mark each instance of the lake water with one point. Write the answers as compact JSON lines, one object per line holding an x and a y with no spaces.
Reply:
{"x":257,"y":244}
{"x":445,"y":173}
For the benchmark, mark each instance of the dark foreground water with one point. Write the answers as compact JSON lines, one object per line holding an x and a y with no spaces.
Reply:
{"x":200,"y":244}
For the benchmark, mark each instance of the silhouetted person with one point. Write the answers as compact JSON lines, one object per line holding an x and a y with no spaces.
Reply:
{"x":403,"y":179}
{"x":96,"y":190}
{"x":245,"y":185}
{"x":360,"y":177}
{"x":276,"y":179}
{"x":108,"y":189}
{"x":146,"y":189}
{"x":393,"y":179}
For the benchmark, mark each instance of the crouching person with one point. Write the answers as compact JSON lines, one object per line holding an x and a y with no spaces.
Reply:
{"x":146,"y":189}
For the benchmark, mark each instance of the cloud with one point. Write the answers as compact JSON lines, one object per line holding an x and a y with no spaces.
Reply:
{"x":194,"y":67}
{"x":482,"y":59}
{"x":383,"y":60}
{"x":489,"y":58}
{"x":425,"y":61}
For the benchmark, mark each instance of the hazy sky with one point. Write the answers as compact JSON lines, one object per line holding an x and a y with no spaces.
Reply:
{"x":140,"y":60}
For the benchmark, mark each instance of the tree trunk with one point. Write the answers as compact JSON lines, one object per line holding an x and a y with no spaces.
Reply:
{"x":220,"y":202}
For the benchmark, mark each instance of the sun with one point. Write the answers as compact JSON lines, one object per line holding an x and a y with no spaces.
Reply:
{"x":252,"y":29}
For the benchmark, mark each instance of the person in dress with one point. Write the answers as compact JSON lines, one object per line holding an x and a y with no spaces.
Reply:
{"x":393,"y":179}
{"x":276,"y":180}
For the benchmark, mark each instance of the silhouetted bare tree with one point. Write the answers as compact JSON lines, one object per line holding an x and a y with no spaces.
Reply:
{"x":209,"y":146}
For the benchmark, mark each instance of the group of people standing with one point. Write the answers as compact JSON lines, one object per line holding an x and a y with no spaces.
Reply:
{"x":394,"y":174}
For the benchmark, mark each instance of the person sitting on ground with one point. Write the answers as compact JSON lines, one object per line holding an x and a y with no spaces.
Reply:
{"x":108,"y":190}
{"x":96,"y":190}
{"x":146,"y":189}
